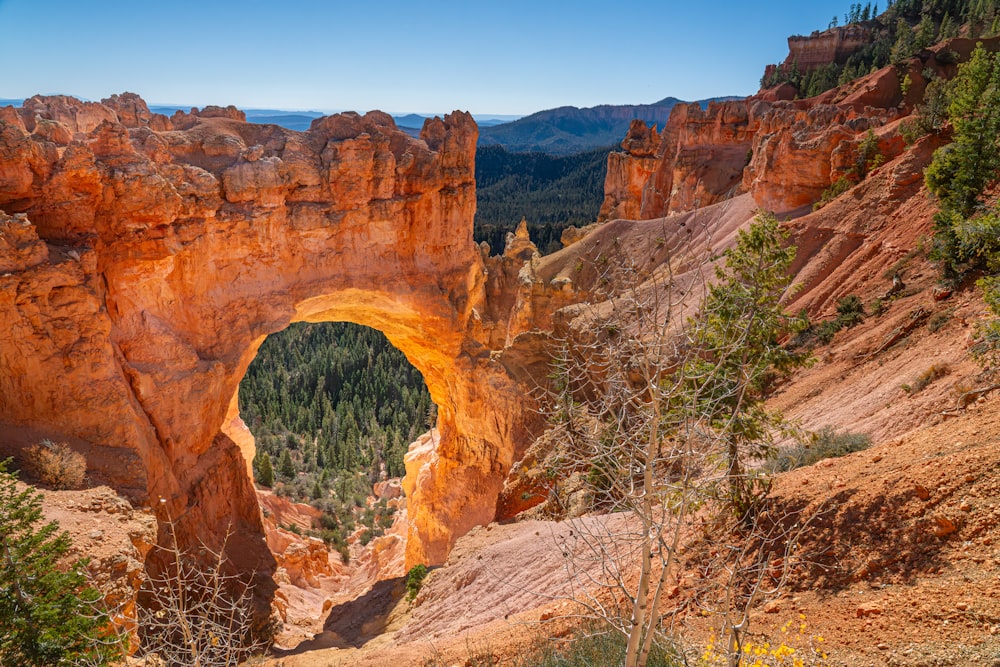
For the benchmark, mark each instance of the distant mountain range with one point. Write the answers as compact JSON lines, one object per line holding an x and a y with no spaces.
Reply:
{"x":569,"y":130}
{"x":562,"y":131}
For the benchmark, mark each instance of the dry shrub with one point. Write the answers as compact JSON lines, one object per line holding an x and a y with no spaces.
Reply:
{"x":932,"y":373}
{"x":55,"y":465}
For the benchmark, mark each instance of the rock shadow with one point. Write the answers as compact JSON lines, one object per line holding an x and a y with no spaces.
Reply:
{"x":355,"y":623}
{"x":856,"y":537}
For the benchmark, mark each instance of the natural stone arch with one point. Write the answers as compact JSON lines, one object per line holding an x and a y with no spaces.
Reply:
{"x":157,"y":254}
{"x":454,"y":486}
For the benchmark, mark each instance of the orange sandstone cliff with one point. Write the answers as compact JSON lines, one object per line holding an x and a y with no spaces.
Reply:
{"x":783,"y":153}
{"x":143,"y":260}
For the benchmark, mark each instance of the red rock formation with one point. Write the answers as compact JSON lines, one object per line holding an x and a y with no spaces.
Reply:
{"x":798,"y":153}
{"x":835,"y":45}
{"x":784,"y":153}
{"x":145,"y":265}
{"x":697,"y":160}
{"x":114,"y":538}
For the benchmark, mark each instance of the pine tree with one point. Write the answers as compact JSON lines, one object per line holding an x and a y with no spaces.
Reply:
{"x":265,"y":472}
{"x":739,"y":326}
{"x":967,"y":231}
{"x":948,"y":29}
{"x":47,"y":616}
{"x":906,"y":42}
{"x":285,"y":467}
{"x":925,"y":32}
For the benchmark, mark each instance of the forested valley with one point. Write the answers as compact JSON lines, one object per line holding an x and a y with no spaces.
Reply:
{"x":550,"y":192}
{"x":333,"y":407}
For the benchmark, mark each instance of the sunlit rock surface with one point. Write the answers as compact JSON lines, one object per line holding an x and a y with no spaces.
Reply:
{"x":143,"y":260}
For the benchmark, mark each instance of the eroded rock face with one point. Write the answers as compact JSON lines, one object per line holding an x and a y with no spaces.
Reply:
{"x":114,"y":537}
{"x":783,"y":153}
{"x":695,"y":161}
{"x":836,"y":45}
{"x":145,"y":260}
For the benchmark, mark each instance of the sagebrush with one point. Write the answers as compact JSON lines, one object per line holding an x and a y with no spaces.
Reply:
{"x":55,"y":465}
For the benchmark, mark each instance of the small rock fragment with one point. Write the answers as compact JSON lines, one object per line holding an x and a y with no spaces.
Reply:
{"x":941,"y":293}
{"x":943,"y":526}
{"x":867,"y":609}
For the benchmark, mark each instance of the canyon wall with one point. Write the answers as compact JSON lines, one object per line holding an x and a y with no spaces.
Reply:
{"x":836,"y":45}
{"x":784,"y":153}
{"x":145,"y":259}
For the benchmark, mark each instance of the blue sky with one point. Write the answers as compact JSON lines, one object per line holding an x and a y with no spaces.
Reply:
{"x":504,"y":57}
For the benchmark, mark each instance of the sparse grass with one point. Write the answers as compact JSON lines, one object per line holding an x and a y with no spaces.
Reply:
{"x":823,"y":444}
{"x":900,"y":264}
{"x":940,"y":319}
{"x":588,"y":650}
{"x":933,"y":372}
{"x":55,"y":465}
{"x":585,"y":650}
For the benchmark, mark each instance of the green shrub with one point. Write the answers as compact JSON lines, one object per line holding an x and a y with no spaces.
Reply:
{"x":869,"y":157}
{"x":825,"y":331}
{"x":47,"y":616}
{"x":850,"y":311}
{"x":592,"y":648}
{"x":837,"y":188}
{"x":824,"y":444}
{"x":586,"y":649}
{"x":414,"y":580}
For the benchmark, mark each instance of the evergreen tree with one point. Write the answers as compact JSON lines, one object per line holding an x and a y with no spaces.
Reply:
{"x":285,"y":467}
{"x":739,"y":326}
{"x":948,"y":28}
{"x":48,"y":617}
{"x":265,"y":473}
{"x":967,"y":231}
{"x":925,"y":32}
{"x":906,"y":43}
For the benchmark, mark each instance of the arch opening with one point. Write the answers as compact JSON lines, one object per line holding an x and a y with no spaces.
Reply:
{"x":332,"y":408}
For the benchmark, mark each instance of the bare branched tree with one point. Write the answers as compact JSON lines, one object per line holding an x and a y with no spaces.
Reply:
{"x":660,"y":392}
{"x":196,"y":612}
